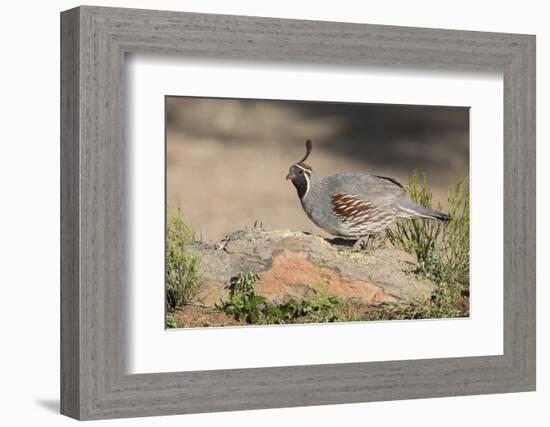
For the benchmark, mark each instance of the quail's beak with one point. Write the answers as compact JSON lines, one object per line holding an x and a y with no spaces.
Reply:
{"x":288,"y":176}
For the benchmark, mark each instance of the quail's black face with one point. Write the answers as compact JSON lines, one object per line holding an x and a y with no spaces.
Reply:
{"x":300,"y":175}
{"x":295,"y":171}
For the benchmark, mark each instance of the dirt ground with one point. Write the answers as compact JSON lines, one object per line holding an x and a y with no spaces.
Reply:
{"x":227,"y":159}
{"x":196,"y":316}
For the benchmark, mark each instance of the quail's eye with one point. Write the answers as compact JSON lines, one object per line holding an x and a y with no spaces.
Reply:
{"x":301,"y":172}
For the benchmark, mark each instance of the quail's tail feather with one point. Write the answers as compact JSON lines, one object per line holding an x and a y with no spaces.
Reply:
{"x":410,"y":210}
{"x":430,"y":213}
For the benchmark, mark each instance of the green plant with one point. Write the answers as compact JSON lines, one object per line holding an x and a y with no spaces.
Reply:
{"x":442,"y":249}
{"x":318,"y":309}
{"x":170,"y":322}
{"x":456,"y":256}
{"x":442,"y":253}
{"x":184,"y":280}
{"x":312,"y":310}
{"x":444,"y":302}
{"x":242,"y":285}
{"x":244,"y":304}
{"x":417,"y":236}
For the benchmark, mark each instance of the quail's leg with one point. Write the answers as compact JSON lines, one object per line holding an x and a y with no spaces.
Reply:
{"x":360,"y":245}
{"x":368,"y":243}
{"x":379,"y":240}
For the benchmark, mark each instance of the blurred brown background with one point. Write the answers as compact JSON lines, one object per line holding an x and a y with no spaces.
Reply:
{"x":227,"y":159}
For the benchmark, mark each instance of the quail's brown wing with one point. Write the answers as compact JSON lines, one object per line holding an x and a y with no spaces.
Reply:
{"x":360,"y":216}
{"x":350,"y":208}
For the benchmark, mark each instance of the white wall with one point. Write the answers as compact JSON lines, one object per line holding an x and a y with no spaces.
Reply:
{"x":29,"y":211}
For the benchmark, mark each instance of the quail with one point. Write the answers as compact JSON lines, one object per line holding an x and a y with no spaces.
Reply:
{"x":354,"y":205}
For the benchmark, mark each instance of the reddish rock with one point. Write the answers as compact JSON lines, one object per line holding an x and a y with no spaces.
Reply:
{"x":293,"y":275}
{"x":295,"y":265}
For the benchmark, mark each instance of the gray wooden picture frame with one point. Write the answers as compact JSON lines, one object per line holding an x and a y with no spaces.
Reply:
{"x":94,"y":42}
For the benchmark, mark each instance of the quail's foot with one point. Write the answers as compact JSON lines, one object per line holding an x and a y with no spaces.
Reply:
{"x":361,"y":245}
{"x":368,"y":243}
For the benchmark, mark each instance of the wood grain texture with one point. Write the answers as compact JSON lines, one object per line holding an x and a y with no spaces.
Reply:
{"x":70,"y":291}
{"x":94,"y":270}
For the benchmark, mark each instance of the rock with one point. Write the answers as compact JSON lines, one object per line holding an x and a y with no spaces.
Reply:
{"x":293,"y":275}
{"x":297,"y":265}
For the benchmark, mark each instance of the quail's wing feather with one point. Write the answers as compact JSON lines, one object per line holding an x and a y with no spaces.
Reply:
{"x":363,"y":204}
{"x":376,"y":190}
{"x":351,"y":209}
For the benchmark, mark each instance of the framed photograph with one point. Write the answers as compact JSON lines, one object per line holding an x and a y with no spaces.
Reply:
{"x":235,"y":252}
{"x":261,"y":213}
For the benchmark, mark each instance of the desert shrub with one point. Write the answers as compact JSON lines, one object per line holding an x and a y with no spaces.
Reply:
{"x":184,"y":280}
{"x":170,"y":322}
{"x":456,"y":253}
{"x":417,"y":236}
{"x":442,"y":249}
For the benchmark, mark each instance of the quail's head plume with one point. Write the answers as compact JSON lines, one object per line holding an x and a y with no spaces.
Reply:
{"x":353,"y":205}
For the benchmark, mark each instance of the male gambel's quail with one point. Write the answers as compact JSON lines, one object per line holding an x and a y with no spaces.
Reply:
{"x":353,"y":205}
